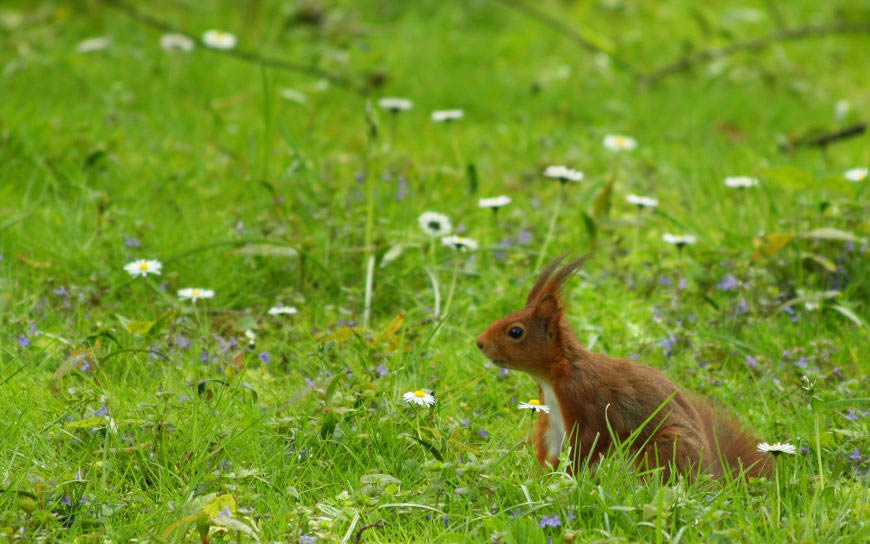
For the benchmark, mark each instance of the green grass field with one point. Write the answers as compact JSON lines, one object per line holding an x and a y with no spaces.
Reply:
{"x":131,"y":415}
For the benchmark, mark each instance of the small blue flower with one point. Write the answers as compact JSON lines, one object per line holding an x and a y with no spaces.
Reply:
{"x":265,"y":357}
{"x":751,"y":362}
{"x":103,"y":411}
{"x":553,"y":521}
{"x":855,"y":455}
{"x":742,"y":308}
{"x":307,"y":539}
{"x":483,"y":433}
{"x":182,"y":342}
{"x":131,"y":241}
{"x":225,"y":512}
{"x":382,"y":371}
{"x":66,"y":500}
{"x":23,"y":340}
{"x":668,"y":344}
{"x":802,"y":362}
{"x":728,"y":283}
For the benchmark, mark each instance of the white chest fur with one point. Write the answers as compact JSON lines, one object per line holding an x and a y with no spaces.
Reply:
{"x":556,"y":433}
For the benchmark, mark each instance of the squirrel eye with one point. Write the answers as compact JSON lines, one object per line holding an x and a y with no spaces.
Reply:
{"x":516,"y":332}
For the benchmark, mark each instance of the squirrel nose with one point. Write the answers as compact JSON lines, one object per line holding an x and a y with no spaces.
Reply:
{"x":479,"y":343}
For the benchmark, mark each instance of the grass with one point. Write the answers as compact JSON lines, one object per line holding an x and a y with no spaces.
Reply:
{"x":132,"y":416}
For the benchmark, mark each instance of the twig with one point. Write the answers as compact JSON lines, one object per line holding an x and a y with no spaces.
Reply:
{"x":359,"y":532}
{"x":248,"y":56}
{"x":756,"y":44}
{"x":561,"y":27}
{"x":826,"y":138}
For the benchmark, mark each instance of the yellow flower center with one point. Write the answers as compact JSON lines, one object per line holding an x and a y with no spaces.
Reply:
{"x":196,"y":292}
{"x":143,"y":267}
{"x":419,"y":393}
{"x":535,"y":402}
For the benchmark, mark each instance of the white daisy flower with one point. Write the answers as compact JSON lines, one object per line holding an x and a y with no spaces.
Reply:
{"x":195,"y":293}
{"x":856,"y":174}
{"x":680,"y":240}
{"x":419,"y":397}
{"x":642,"y":201}
{"x":841,"y":109}
{"x":459,"y":242}
{"x":143,"y":267}
{"x":534,"y":405}
{"x":617,"y":142}
{"x":280,"y":309}
{"x":740,"y":182}
{"x":251,"y":336}
{"x":563,"y":173}
{"x":176,"y":42}
{"x":218,"y":39}
{"x":495,"y":202}
{"x":395,"y":105}
{"x":776,"y":449}
{"x":442,"y":116}
{"x":93,"y":45}
{"x":435,"y":224}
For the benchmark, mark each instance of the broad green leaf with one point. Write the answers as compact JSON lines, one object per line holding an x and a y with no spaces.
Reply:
{"x":213,"y":508}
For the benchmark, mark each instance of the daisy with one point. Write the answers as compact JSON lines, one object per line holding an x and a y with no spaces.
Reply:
{"x":535,"y":405}
{"x":776,"y":449}
{"x":251,"y":336}
{"x":143,"y":267}
{"x":435,"y":224}
{"x":395,"y":105}
{"x":176,"y":42}
{"x":642,"y":201}
{"x":459,"y":242}
{"x":218,"y":39}
{"x":195,"y":293}
{"x":680,"y":240}
{"x":445,"y":116}
{"x":856,"y":174}
{"x":280,"y":309}
{"x":740,"y":182}
{"x":563,"y":173}
{"x":616,"y":142}
{"x":419,"y":397}
{"x":93,"y":45}
{"x":494,"y":203}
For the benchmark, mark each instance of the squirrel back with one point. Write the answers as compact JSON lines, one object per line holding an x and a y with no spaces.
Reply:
{"x":594,"y":399}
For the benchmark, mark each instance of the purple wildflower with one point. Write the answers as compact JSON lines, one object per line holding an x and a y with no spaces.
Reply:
{"x":23,"y":340}
{"x":515,"y":512}
{"x":852,"y":415}
{"x":225,"y":512}
{"x":402,"y":190}
{"x":182,"y":342}
{"x":103,"y":411}
{"x":66,"y":500}
{"x":382,"y":371}
{"x":61,"y":291}
{"x":665,"y":281}
{"x":742,"y":308}
{"x":86,"y":365}
{"x":446,"y":521}
{"x":683,"y":284}
{"x":132,"y":241}
{"x":309,"y":382}
{"x":789,"y":311}
{"x":524,"y":237}
{"x":265,"y":357}
{"x":553,"y":521}
{"x":483,"y":434}
{"x":307,"y":539}
{"x":345,"y":323}
{"x":502,"y":372}
{"x":204,"y":357}
{"x":728,"y":283}
{"x":751,"y":362}
{"x":182,"y":398}
{"x":668,"y":344}
{"x":802,"y":362}
{"x":225,"y":465}
{"x":465,"y":421}
{"x":855,"y":455}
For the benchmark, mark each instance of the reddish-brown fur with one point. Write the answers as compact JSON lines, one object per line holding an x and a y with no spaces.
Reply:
{"x":593,"y":389}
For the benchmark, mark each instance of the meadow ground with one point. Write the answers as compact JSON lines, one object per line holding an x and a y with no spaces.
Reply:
{"x":131,"y":415}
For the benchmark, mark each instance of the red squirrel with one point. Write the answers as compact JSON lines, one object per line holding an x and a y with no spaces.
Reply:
{"x":585,"y":391}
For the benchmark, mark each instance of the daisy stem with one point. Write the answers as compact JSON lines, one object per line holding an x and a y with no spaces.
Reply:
{"x":452,"y":286}
{"x":370,"y":277}
{"x":436,"y":292}
{"x":543,"y":254}
{"x":776,"y":477}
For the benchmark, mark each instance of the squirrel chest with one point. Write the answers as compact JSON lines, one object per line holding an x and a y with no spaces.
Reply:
{"x":555,"y":433}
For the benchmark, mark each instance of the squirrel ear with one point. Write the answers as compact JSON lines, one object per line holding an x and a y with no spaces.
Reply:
{"x":547,"y":313}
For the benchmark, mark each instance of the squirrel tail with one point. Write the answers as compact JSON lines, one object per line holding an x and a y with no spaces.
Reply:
{"x":734,"y":449}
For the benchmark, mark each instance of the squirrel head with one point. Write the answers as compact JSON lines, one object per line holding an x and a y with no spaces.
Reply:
{"x":535,"y":337}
